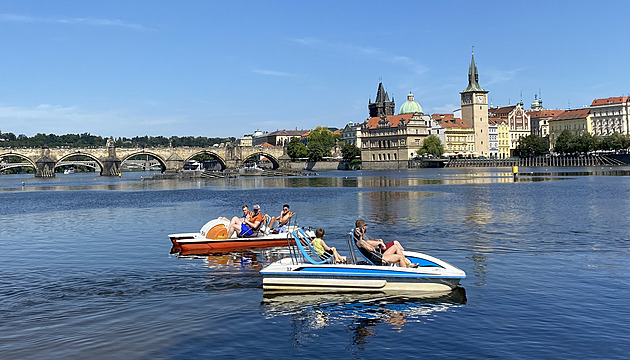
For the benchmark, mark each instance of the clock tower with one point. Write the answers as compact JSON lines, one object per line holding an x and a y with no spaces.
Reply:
{"x":475,"y":110}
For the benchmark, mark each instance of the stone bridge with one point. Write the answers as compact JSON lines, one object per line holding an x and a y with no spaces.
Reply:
{"x":172,"y":159}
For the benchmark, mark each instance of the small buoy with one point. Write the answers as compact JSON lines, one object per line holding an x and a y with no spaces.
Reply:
{"x":23,"y":183}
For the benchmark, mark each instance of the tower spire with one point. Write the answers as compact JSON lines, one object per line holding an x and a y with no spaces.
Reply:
{"x":473,"y":76}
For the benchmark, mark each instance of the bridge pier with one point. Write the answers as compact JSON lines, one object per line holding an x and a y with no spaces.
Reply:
{"x":45,"y":167}
{"x":174,"y":163}
{"x":111,"y":167}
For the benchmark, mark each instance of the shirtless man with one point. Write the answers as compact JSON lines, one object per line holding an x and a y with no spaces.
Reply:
{"x":282,"y":219}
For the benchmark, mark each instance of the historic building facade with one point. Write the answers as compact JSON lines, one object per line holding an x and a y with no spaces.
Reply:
{"x":578,"y":121}
{"x":493,"y":137}
{"x":351,"y":134}
{"x":518,"y":125}
{"x":503,"y":138}
{"x":539,"y":120}
{"x":282,"y":137}
{"x":474,"y":102}
{"x":610,"y":115}
{"x":389,"y":141}
{"x":459,"y":137}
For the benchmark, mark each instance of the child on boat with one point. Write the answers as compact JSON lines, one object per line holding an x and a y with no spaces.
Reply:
{"x":324,"y":251}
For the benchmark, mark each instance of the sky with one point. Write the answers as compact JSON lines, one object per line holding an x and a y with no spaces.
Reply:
{"x":221,"y":69}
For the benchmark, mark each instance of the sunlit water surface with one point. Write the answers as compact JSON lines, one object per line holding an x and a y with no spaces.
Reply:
{"x":85,"y":269}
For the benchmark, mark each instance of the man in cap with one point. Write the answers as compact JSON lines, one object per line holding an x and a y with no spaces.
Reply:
{"x":247,"y":225}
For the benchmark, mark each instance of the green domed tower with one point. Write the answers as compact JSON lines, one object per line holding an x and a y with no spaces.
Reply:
{"x":410,"y":106}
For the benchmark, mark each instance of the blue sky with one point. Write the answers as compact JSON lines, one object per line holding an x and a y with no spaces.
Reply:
{"x":208,"y":68}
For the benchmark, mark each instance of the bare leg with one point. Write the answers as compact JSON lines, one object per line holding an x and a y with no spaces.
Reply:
{"x":235,"y":226}
{"x":395,"y":259}
{"x":338,"y":258}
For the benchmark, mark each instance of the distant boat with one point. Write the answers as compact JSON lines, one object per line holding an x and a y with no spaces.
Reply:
{"x":252,"y":170}
{"x":69,"y":171}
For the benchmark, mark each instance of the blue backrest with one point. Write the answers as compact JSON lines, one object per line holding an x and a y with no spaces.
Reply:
{"x":305,"y":254}
{"x":369,"y":256}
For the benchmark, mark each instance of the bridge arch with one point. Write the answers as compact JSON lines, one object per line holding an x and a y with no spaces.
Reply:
{"x":30,"y":162}
{"x":79,"y":153}
{"x":210,"y":153}
{"x":149,"y":153}
{"x":260,"y":154}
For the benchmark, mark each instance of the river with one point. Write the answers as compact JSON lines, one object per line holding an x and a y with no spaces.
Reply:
{"x":85,"y":268}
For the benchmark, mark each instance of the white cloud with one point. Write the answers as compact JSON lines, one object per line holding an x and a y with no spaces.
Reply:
{"x":498,"y":76}
{"x":372,"y":52}
{"x":446,"y":109}
{"x":79,"y":21}
{"x":271,"y":72}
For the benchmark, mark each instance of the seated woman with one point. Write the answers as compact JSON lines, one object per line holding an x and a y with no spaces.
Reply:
{"x":324,"y":251}
{"x":392,"y":253}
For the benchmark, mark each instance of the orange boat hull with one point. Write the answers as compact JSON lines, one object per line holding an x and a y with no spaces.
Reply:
{"x":218,"y":246}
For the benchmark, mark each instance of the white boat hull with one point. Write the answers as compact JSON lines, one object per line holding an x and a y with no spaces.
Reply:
{"x":433,"y":275}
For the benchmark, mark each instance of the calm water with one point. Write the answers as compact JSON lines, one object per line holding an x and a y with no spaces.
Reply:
{"x":85,"y":269}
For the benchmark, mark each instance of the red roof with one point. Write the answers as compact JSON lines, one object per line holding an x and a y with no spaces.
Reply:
{"x":453,"y":123}
{"x":393,"y":120}
{"x":535,"y":114}
{"x":266,"y":145}
{"x":438,"y":117}
{"x":572,"y":114}
{"x":501,"y":111}
{"x":610,"y":100}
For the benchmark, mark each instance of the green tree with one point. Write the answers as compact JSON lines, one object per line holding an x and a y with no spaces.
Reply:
{"x":564,"y":144}
{"x":295,"y":149}
{"x":316,"y":151}
{"x":616,"y":141}
{"x":350,"y":152}
{"x":532,"y":145}
{"x":324,"y":138}
{"x":432,"y":145}
{"x":584,"y":143}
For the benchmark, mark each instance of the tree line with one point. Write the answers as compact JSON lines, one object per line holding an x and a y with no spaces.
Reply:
{"x":569,"y":143}
{"x":87,"y":140}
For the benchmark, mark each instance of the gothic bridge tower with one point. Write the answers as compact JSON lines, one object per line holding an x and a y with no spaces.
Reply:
{"x":381,"y":105}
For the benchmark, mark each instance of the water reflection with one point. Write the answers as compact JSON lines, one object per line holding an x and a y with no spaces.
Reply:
{"x":246,"y":259}
{"x":310,"y":312}
{"x":393,"y":207}
{"x":335,"y":179}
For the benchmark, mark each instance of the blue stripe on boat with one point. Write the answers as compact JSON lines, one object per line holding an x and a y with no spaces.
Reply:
{"x":422,"y":262}
{"x":333,"y":271}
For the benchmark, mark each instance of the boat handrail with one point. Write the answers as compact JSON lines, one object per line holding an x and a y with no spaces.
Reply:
{"x":305,"y":254}
{"x":292,"y":251}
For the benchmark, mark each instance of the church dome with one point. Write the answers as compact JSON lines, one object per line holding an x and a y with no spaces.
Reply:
{"x":410,"y":106}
